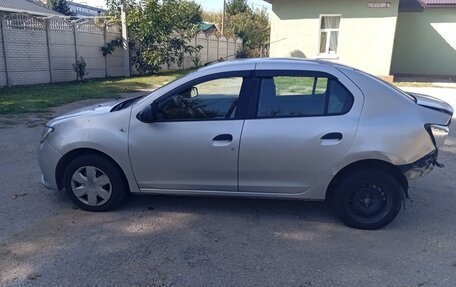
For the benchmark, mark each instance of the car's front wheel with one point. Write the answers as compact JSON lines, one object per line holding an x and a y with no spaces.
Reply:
{"x":368,"y":199}
{"x":95,"y":183}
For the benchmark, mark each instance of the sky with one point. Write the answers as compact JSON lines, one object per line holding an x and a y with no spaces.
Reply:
{"x":210,"y":5}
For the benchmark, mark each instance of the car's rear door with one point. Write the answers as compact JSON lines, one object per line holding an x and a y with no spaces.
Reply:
{"x":303,"y":122}
{"x":194,"y":144}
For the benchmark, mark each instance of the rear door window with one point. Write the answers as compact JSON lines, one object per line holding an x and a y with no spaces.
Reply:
{"x":299,"y":96}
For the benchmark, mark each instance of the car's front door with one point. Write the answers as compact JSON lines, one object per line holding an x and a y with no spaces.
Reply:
{"x":194,"y":142}
{"x":303,"y":124}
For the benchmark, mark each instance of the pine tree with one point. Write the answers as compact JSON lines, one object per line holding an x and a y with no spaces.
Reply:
{"x":60,"y":6}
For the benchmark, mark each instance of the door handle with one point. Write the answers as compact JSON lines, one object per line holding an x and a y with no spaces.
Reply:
{"x":332,"y":136}
{"x":223,"y":137}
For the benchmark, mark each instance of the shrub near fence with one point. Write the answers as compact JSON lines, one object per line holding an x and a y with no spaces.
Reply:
{"x":212,"y":49}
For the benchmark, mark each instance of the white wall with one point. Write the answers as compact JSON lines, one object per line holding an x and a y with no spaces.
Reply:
{"x":366,"y":35}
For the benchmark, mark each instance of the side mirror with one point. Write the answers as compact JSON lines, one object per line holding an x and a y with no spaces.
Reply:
{"x":194,"y":92}
{"x":148,"y":114}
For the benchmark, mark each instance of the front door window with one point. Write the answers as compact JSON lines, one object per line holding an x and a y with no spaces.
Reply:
{"x":212,"y":100}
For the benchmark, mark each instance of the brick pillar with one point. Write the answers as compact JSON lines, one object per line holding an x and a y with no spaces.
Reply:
{"x":75,"y":47}
{"x":48,"y":42}
{"x":105,"y":42}
{"x":5,"y":51}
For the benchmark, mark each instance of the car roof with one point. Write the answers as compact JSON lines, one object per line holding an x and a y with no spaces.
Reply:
{"x":267,"y":60}
{"x":253,"y":63}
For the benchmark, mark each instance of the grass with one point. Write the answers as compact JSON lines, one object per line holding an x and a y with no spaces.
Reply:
{"x":39,"y":98}
{"x":299,"y":85}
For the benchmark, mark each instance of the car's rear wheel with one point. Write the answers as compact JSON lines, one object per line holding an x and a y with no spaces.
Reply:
{"x":95,"y":183}
{"x":368,"y":199}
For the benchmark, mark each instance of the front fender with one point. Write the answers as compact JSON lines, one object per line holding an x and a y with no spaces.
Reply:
{"x":105,"y":133}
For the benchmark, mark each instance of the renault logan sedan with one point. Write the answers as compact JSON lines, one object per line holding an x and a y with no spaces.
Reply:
{"x":272,"y":128}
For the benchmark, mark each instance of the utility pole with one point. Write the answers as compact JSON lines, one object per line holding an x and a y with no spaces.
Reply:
{"x":125,"y":46}
{"x":223,"y":18}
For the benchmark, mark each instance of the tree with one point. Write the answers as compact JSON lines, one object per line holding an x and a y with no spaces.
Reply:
{"x":60,"y":6}
{"x":253,"y":27}
{"x":192,"y":12}
{"x":235,"y":7}
{"x":250,"y":24}
{"x":160,"y":31}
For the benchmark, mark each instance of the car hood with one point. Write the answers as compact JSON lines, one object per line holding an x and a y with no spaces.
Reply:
{"x":432,"y":103}
{"x":86,"y":111}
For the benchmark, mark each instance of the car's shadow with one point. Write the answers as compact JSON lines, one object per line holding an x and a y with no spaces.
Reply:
{"x":232,"y":206}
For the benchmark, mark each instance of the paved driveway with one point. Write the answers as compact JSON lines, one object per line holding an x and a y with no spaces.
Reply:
{"x":189,"y":241}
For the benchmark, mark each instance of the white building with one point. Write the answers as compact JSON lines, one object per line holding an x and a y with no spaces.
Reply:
{"x":82,"y":10}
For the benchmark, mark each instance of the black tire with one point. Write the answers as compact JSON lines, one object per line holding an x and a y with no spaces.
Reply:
{"x":368,"y":199}
{"x":115,"y":191}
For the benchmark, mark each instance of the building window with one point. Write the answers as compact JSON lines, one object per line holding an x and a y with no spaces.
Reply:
{"x":329,"y":35}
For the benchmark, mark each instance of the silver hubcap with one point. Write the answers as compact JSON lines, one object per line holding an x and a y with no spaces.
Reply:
{"x":91,"y":185}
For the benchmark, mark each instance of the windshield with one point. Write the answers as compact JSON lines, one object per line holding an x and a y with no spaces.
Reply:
{"x":177,"y":82}
{"x":125,"y":104}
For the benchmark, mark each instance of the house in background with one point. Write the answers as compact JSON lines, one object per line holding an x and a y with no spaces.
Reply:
{"x":24,"y":6}
{"x":78,"y":9}
{"x":207,"y":28}
{"x":84,"y":10}
{"x":413,"y":38}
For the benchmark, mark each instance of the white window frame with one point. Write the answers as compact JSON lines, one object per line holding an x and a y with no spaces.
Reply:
{"x":328,"y":31}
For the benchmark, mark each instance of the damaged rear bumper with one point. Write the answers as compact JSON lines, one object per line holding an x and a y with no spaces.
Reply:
{"x":422,"y":166}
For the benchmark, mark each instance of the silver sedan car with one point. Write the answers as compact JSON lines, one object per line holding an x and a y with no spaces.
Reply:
{"x":271,"y":128}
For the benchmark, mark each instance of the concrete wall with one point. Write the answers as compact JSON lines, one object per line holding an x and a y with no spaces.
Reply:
{"x":114,"y":61}
{"x":26,"y":51}
{"x":62,"y":50}
{"x":426,"y":43}
{"x":366,"y":35}
{"x":34,"y":51}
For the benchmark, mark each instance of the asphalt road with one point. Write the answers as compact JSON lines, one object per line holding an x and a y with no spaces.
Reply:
{"x":194,"y":241}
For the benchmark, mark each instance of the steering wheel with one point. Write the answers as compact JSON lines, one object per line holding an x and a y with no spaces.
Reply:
{"x":169,"y":101}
